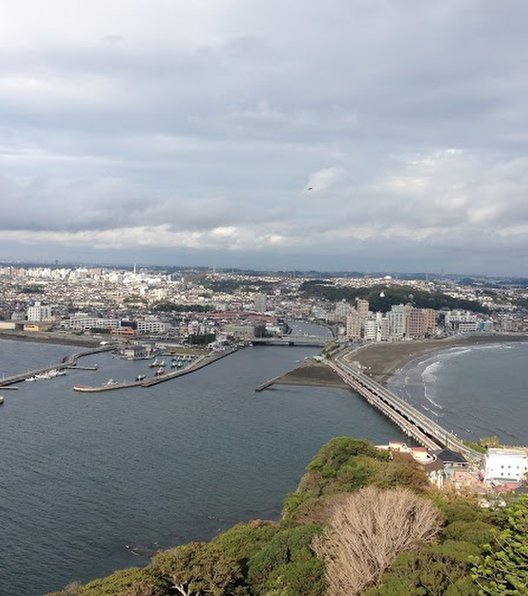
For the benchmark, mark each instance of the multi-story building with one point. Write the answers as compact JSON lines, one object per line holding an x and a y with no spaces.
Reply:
{"x":151,"y":326}
{"x":397,"y":321}
{"x":362,"y":307}
{"x":84,"y":322}
{"x":260,"y":302}
{"x":38,"y":313}
{"x":372,"y":327}
{"x":506,"y":464}
{"x":353,"y":325}
{"x":342,"y":310}
{"x":429,"y":320}
{"x":458,"y":321}
{"x":414,"y":323}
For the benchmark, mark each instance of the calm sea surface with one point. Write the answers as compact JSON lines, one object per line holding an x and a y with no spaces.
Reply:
{"x":90,"y":483}
{"x":475,"y":391}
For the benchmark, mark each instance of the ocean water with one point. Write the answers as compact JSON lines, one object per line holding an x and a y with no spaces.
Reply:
{"x":90,"y":483}
{"x":475,"y":391}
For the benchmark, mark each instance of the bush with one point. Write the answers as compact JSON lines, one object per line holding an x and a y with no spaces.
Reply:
{"x":288,"y":563}
{"x":476,"y":532}
{"x":128,"y":582}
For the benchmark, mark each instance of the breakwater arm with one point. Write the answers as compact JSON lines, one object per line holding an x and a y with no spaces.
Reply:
{"x":67,"y":362}
{"x":199,"y":363}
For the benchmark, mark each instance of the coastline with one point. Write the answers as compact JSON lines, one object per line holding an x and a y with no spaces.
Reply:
{"x":51,"y":338}
{"x":382,"y":360}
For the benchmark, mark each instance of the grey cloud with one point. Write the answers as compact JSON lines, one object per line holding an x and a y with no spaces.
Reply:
{"x":221,"y":114}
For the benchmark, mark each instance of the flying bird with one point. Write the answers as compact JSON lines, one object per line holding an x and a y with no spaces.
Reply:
{"x":310,"y":188}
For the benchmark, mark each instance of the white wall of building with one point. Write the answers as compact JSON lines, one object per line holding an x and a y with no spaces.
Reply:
{"x":505,"y":464}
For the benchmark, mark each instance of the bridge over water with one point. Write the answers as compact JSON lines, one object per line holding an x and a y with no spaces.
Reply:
{"x":316,"y":341}
{"x":409,"y":419}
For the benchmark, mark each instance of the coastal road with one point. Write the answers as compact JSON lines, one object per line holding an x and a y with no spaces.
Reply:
{"x":421,"y":423}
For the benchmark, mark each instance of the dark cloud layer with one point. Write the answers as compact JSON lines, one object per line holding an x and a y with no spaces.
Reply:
{"x":188,"y":130}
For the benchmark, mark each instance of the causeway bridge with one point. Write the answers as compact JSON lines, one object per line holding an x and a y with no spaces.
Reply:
{"x":317,"y":341}
{"x":413,"y":423}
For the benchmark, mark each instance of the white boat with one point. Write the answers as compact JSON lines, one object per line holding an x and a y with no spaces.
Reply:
{"x":1,"y":400}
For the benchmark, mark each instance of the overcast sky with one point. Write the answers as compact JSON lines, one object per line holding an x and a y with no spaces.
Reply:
{"x":191,"y":132}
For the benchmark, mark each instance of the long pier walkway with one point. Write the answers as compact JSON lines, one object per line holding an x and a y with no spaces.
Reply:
{"x":68,"y":362}
{"x":427,"y":432}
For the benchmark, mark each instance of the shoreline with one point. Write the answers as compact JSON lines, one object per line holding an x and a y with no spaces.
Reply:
{"x":382,"y":361}
{"x":49,"y":338}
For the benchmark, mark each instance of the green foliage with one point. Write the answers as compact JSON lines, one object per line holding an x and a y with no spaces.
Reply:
{"x":200,"y":568}
{"x":483,"y":443}
{"x":338,"y":451}
{"x":201,"y":339}
{"x":458,"y":550}
{"x":264,"y":558}
{"x":31,"y":290}
{"x":392,"y":294}
{"x":345,"y":464}
{"x":503,"y":567}
{"x":460,"y":509}
{"x":407,"y":474}
{"x":134,"y":299}
{"x":424,"y":572}
{"x":128,"y":582}
{"x":179,"y":308}
{"x":243,"y":541}
{"x":288,"y":565}
{"x":476,"y":532}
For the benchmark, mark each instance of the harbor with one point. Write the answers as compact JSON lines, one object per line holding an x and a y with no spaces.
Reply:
{"x":160,"y":376}
{"x":70,"y":363}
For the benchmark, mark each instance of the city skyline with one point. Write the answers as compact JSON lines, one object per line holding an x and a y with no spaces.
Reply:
{"x":363,"y":136}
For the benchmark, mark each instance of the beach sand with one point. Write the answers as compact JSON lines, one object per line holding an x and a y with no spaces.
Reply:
{"x":382,"y":360}
{"x":314,"y":374}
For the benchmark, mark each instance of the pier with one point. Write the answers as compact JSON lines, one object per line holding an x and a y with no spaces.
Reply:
{"x":412,"y":422}
{"x":68,"y":362}
{"x":199,"y":363}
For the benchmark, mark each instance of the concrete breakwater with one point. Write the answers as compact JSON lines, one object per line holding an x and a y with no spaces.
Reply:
{"x":68,"y":362}
{"x":199,"y":363}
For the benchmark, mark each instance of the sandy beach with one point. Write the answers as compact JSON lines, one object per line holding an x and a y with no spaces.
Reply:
{"x":382,"y":360}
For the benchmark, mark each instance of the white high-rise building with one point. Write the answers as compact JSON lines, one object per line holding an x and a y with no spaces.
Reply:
{"x":38,"y":313}
{"x":397,"y":321}
{"x":373,"y":327}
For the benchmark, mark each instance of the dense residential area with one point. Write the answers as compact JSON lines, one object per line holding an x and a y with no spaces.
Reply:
{"x":201,"y":306}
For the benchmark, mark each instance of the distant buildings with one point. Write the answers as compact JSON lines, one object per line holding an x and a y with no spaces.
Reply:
{"x":260,"y":303}
{"x":38,"y":313}
{"x":401,"y":322}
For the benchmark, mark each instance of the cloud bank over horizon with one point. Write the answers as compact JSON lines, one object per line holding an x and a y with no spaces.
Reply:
{"x":345,"y":135}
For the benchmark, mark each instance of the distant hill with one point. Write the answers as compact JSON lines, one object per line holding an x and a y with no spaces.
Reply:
{"x":392,"y":294}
